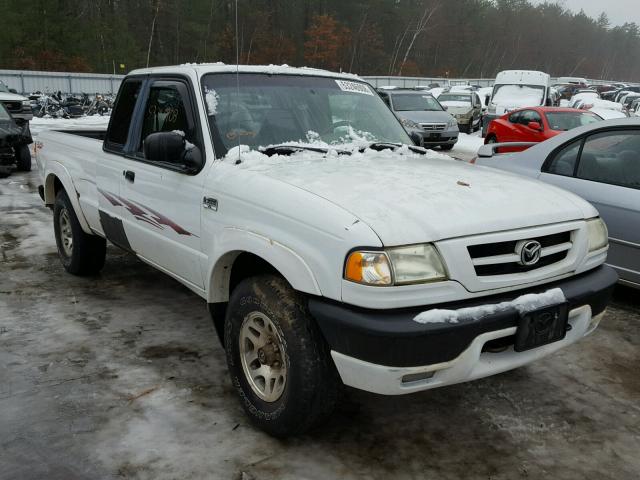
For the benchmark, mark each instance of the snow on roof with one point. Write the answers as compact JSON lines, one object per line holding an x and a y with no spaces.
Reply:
{"x":219,"y":67}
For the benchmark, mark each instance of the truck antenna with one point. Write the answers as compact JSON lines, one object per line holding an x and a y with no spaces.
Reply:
{"x":239,"y":160}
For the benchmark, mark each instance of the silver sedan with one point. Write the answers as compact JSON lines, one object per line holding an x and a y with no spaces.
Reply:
{"x":599,"y":162}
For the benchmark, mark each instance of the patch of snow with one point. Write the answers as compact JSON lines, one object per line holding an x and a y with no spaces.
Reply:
{"x":212,"y":98}
{"x":256,"y":160}
{"x":523,"y":304}
{"x":467,"y":146}
{"x":514,"y":96}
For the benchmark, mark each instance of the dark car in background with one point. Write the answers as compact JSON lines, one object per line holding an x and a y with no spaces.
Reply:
{"x":14,"y":147}
{"x":422,"y":115}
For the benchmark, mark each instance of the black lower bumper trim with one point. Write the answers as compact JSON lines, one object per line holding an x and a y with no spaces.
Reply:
{"x":393,"y":338}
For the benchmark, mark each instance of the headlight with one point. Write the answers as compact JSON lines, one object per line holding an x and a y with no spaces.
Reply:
{"x":370,"y":268}
{"x":598,"y":234}
{"x":409,"y":123}
{"x":452,"y":123}
{"x":396,"y":266}
{"x":26,"y":103}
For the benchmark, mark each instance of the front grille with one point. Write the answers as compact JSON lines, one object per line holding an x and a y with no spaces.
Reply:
{"x":13,"y":107}
{"x":433,"y":127}
{"x":502,"y":258}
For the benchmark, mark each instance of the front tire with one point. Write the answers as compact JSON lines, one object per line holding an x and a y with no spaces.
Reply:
{"x":80,"y":253}
{"x":278,"y":360}
{"x":23,"y":158}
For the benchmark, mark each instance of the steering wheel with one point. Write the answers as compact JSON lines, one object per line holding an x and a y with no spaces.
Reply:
{"x":338,"y":124}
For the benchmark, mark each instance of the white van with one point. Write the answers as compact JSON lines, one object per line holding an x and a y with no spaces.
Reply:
{"x":515,"y":89}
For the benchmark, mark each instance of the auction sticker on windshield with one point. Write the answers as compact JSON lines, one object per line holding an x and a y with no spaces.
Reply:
{"x":354,"y":87}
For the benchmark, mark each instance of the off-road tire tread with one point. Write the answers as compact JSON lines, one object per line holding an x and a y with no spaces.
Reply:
{"x":23,"y":158}
{"x":89,"y":251}
{"x":305,"y":404}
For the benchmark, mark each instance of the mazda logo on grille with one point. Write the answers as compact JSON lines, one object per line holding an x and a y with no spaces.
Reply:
{"x":529,"y":251}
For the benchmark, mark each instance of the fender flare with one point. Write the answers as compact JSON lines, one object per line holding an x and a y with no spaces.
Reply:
{"x":57,"y":170}
{"x":235,"y":241}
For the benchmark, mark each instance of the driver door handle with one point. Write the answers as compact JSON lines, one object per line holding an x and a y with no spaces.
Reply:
{"x":129,"y":175}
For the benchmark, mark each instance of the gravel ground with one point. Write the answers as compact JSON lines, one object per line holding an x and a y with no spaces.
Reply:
{"x":122,"y":376}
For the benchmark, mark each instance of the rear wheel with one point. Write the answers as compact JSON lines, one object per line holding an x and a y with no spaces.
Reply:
{"x":80,"y":253}
{"x":278,"y":360}
{"x":23,"y":158}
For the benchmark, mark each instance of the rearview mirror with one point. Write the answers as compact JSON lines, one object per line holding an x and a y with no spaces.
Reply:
{"x":171,"y":147}
{"x":534,"y":126}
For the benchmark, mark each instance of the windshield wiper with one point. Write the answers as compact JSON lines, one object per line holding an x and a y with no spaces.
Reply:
{"x":380,"y":146}
{"x":285,"y":149}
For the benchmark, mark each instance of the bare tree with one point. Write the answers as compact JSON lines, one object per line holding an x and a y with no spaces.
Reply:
{"x":420,"y":27}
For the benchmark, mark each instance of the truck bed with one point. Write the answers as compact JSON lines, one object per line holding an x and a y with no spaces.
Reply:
{"x":95,"y":134}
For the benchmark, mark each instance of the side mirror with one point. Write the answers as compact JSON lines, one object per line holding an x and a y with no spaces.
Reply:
{"x":171,"y":147}
{"x":535,"y":126}
{"x":418,"y":139}
{"x":445,"y":108}
{"x":13,"y":90}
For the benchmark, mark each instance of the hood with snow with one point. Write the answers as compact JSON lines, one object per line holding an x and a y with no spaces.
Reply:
{"x":409,"y":198}
{"x":426,"y":116}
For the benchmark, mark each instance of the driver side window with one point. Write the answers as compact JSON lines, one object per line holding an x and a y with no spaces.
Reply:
{"x":530,"y":116}
{"x":515,"y":117}
{"x":165,"y":111}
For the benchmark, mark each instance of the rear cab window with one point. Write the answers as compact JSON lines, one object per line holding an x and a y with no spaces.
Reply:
{"x":122,"y":115}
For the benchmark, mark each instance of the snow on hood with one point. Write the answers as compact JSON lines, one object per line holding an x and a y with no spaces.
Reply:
{"x":456,"y":103}
{"x":426,"y":116}
{"x":409,"y":198}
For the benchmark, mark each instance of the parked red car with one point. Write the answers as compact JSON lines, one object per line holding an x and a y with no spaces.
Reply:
{"x":536,"y":125}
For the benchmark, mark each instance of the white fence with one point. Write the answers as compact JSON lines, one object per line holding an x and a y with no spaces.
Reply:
{"x":411,"y":82}
{"x":25,"y":82}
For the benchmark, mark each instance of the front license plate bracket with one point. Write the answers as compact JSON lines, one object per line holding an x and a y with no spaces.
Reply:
{"x":541,"y":327}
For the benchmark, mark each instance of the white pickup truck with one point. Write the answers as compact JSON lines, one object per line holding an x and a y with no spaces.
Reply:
{"x":329,"y":249}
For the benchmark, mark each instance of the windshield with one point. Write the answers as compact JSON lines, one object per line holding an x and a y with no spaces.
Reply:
{"x":453,"y":100}
{"x":567,"y":120}
{"x":410,"y":102}
{"x":3,"y":87}
{"x":275,"y":109}
{"x":518,"y":95}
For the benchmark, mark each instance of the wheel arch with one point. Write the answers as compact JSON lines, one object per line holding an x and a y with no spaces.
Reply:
{"x":58,"y":179}
{"x":234,"y":266}
{"x":254,"y":254}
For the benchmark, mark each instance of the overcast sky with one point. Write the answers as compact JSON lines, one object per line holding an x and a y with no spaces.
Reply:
{"x":619,"y":11}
